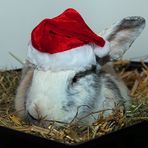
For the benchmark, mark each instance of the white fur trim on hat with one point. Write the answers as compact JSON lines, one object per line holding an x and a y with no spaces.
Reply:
{"x":102,"y":51}
{"x":76,"y":58}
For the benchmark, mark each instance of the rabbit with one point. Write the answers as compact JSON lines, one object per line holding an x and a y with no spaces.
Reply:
{"x":70,"y":96}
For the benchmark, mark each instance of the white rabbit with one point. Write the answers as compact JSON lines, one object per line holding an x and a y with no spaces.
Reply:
{"x":44,"y":96}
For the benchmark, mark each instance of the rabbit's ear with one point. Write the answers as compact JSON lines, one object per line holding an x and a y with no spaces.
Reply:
{"x":122,"y":34}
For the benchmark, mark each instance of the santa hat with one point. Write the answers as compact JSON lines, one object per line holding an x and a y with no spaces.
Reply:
{"x":65,"y":42}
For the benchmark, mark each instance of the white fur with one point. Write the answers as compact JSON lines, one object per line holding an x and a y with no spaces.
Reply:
{"x":47,"y":93}
{"x":101,"y":52}
{"x":76,"y":58}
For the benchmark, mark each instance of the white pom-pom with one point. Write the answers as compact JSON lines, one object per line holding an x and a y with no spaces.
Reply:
{"x":102,"y":51}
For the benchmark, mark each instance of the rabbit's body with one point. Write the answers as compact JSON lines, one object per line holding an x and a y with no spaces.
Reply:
{"x":65,"y":95}
{"x":59,"y":96}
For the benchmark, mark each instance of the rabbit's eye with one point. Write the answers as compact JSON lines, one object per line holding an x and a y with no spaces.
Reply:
{"x":75,"y":79}
{"x":82,"y":74}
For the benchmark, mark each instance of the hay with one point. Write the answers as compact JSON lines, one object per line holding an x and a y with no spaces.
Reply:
{"x":137,"y":81}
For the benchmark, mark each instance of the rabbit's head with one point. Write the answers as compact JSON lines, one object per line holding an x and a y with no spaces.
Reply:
{"x":69,"y":94}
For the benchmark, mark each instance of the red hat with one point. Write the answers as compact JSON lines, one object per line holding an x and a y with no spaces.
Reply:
{"x":61,"y":35}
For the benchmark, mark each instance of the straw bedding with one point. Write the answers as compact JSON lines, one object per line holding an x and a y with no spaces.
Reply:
{"x":137,"y":82}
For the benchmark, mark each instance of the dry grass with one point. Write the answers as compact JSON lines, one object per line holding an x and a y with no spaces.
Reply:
{"x":137,"y":81}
